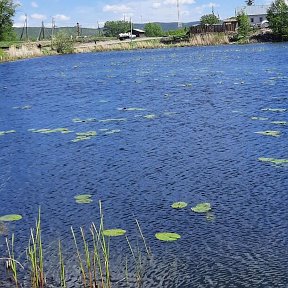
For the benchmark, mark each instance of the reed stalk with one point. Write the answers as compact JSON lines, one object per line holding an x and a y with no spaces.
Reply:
{"x":62,"y":267}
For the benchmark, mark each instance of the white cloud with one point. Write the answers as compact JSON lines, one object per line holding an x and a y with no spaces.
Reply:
{"x":202,"y":8}
{"x":156,"y":5}
{"x":34,"y":4}
{"x":37,"y":16}
{"x":116,"y":8}
{"x":174,"y":2}
{"x":61,"y":17}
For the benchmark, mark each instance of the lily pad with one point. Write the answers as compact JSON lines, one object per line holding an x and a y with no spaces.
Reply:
{"x":167,"y":236}
{"x":114,"y":232}
{"x":179,"y":205}
{"x":259,"y":118}
{"x":84,"y":136}
{"x":150,"y":116}
{"x":274,"y":109}
{"x":48,"y":131}
{"x":78,"y":120}
{"x":270,"y":133}
{"x":11,"y":217}
{"x":110,"y":132}
{"x":113,"y":120}
{"x":279,"y":122}
{"x":2,"y":133}
{"x":83,"y":199}
{"x":273,"y":160}
{"x":202,"y":208}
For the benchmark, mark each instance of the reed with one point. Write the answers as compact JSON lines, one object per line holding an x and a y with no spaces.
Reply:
{"x":62,"y":267}
{"x":35,"y":255}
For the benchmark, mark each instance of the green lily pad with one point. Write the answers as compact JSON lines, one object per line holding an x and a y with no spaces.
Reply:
{"x":274,"y":109}
{"x":83,"y":199}
{"x":279,"y":122}
{"x":259,"y":118}
{"x":110,"y":132}
{"x":11,"y":217}
{"x":179,"y":205}
{"x":202,"y":208}
{"x":167,"y":236}
{"x":113,"y":120}
{"x":269,"y":133}
{"x":84,"y":136}
{"x":48,"y":131}
{"x":114,"y":232}
{"x":273,"y":160}
{"x":2,"y":133}
{"x":150,"y":116}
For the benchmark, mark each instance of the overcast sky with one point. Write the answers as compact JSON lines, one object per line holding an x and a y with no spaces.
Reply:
{"x":88,"y":12}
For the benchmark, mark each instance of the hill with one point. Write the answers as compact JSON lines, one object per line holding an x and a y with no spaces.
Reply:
{"x":33,"y":32}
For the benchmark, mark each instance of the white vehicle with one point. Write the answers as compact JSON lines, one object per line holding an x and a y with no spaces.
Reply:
{"x":123,"y":36}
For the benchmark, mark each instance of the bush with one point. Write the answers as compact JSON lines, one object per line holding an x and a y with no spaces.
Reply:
{"x":153,"y":30}
{"x":63,"y":43}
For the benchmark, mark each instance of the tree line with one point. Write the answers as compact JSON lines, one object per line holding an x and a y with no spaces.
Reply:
{"x":277,"y":15}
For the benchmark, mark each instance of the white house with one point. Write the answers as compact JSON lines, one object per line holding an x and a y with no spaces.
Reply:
{"x":256,"y":13}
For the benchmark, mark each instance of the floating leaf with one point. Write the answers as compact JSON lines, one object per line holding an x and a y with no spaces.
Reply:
{"x":202,"y":208}
{"x":270,"y":133}
{"x":273,"y":160}
{"x":179,"y":205}
{"x":11,"y":217}
{"x":84,"y":136}
{"x":114,"y":232}
{"x":274,"y":109}
{"x":78,"y":120}
{"x":109,"y":132}
{"x":83,"y":199}
{"x":259,"y":118}
{"x":2,"y":133}
{"x":27,"y":107}
{"x":113,"y":120}
{"x":150,"y":116}
{"x":280,"y":122}
{"x":48,"y":131}
{"x":167,"y":236}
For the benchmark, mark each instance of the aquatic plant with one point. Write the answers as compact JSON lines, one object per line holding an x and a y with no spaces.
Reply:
{"x":78,"y":120}
{"x":259,"y":118}
{"x":82,"y":136}
{"x":273,"y":160}
{"x":2,"y":133}
{"x":201,"y":208}
{"x":113,"y":120}
{"x":10,"y":217}
{"x":179,"y":205}
{"x":274,"y":109}
{"x":167,"y":236}
{"x":110,"y":132}
{"x":113,"y":232}
{"x":83,"y":199}
{"x":62,"y":267}
{"x":279,"y":123}
{"x":48,"y":131}
{"x":35,"y":255}
{"x":150,"y":116}
{"x":269,"y":133}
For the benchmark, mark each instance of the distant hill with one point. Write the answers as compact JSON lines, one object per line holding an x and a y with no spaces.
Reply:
{"x":33,"y":32}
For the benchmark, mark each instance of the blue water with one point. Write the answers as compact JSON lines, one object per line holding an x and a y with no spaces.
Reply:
{"x":201,"y":146}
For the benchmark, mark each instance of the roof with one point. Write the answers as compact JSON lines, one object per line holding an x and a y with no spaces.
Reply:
{"x":139,"y":30}
{"x":253,"y":10}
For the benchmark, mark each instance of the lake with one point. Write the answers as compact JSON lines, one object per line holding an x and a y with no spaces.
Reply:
{"x":172,"y":125}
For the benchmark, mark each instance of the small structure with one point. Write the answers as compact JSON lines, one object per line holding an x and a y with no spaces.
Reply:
{"x":138,"y":32}
{"x":256,"y":13}
{"x":230,"y":25}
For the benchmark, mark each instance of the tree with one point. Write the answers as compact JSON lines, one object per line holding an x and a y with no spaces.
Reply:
{"x":277,"y":16}
{"x":63,"y":43}
{"x":114,"y":28}
{"x":209,"y":19}
{"x":249,"y":2}
{"x":7,"y":11}
{"x":244,"y":27}
{"x":153,"y":30}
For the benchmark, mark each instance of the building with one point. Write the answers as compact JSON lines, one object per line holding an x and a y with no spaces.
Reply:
{"x":138,"y":32}
{"x":256,"y":13}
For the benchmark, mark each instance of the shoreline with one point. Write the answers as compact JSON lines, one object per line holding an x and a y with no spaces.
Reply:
{"x":30,"y":50}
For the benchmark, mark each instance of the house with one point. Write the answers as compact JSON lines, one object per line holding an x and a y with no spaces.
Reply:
{"x":138,"y":32}
{"x":256,"y":13}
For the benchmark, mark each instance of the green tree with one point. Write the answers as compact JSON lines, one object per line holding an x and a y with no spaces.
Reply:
{"x":249,"y":2}
{"x":153,"y":30}
{"x":7,"y":11}
{"x":209,"y":19}
{"x":244,"y":26}
{"x":63,"y":43}
{"x":114,"y":28}
{"x":277,"y":16}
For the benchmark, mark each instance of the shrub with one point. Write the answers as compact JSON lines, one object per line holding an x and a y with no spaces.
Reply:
{"x":63,"y":43}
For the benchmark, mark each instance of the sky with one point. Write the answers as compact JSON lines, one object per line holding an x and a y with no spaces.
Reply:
{"x":90,"y":13}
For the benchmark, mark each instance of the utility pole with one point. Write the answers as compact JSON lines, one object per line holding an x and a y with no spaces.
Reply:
{"x":42,"y":32}
{"x":52,"y":31}
{"x":98,"y":28}
{"x":178,"y":12}
{"x":78,"y":29}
